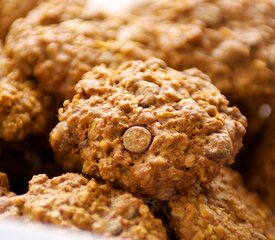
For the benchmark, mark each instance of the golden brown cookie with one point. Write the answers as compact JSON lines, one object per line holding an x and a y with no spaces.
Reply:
{"x":23,"y":107}
{"x":56,"y":11}
{"x":72,"y":201}
{"x":58,"y":55}
{"x":223,"y":209}
{"x":231,"y":41}
{"x":149,"y":128}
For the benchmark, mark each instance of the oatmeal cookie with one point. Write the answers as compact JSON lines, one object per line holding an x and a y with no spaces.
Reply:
{"x":72,"y":201}
{"x":23,"y":107}
{"x":223,"y":209}
{"x":149,"y":128}
{"x":58,"y":55}
{"x":232,"y":42}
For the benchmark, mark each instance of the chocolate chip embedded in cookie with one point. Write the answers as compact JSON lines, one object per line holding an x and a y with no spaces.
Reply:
{"x":137,"y":139}
{"x":148,"y":128}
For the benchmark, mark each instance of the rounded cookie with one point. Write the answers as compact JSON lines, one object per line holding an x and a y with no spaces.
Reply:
{"x":72,"y":201}
{"x":149,"y":128}
{"x":232,"y":42}
{"x":223,"y":209}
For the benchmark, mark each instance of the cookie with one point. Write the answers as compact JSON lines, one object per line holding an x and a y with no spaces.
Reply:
{"x":72,"y":201}
{"x":223,"y":209}
{"x":148,"y":128}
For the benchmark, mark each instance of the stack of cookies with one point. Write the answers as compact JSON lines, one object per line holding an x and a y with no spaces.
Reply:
{"x":127,"y":123}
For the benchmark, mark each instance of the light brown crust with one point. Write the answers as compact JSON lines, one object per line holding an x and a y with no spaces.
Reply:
{"x":193,"y":130}
{"x":223,"y":209}
{"x":73,"y":202}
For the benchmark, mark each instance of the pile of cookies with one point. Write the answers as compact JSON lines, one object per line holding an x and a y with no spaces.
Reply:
{"x":125,"y":124}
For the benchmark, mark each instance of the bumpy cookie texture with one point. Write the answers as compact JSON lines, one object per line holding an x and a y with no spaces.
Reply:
{"x":23,"y":107}
{"x":149,"y":128}
{"x":260,"y":176}
{"x":11,"y":10}
{"x":58,"y":55}
{"x":223,"y":209}
{"x":231,"y":41}
{"x":72,"y":201}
